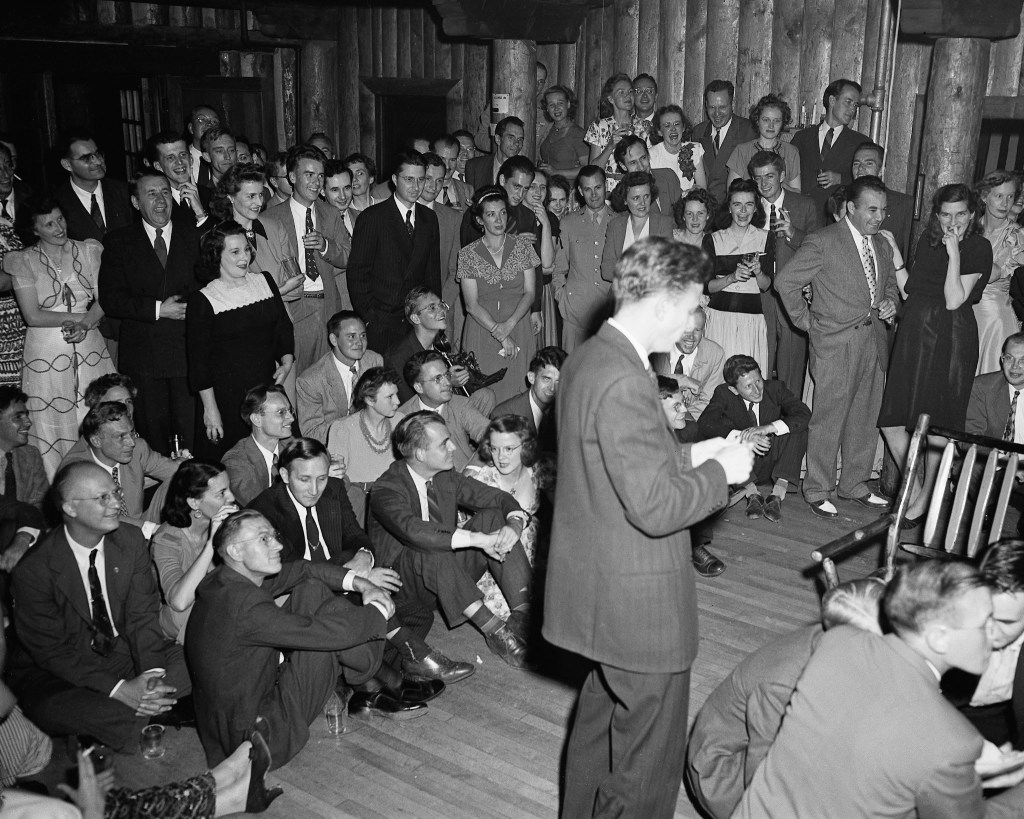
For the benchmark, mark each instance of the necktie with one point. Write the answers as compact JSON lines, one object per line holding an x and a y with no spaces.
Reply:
{"x":408,"y":223}
{"x":3,"y":208}
{"x":311,"y":269}
{"x":316,"y":554}
{"x":160,"y":246}
{"x":718,"y":140}
{"x":103,"y":631}
{"x":273,"y":470}
{"x":679,"y":367}
{"x":769,"y":244}
{"x":869,"y":266}
{"x":751,"y":413}
{"x":123,"y":508}
{"x":97,"y":215}
{"x":445,"y":199}
{"x":433,"y":507}
{"x":10,"y":482}
{"x":1011,"y":420}
{"x":826,"y":146}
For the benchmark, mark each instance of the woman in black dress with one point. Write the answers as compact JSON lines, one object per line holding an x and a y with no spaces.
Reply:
{"x":239,"y":335}
{"x":935,"y":353}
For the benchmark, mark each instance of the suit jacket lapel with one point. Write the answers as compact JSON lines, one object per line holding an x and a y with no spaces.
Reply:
{"x":330,"y":523}
{"x":69,"y":579}
{"x":335,"y":385}
{"x":117,"y":576}
{"x":398,"y":228}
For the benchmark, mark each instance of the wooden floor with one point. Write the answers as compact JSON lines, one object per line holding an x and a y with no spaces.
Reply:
{"x":490,"y":746}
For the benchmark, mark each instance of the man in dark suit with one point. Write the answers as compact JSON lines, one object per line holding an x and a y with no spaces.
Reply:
{"x":453,"y":192}
{"x":992,"y":394}
{"x":168,"y":153}
{"x":146,"y":275}
{"x":826,"y":150}
{"x":509,"y":136}
{"x":92,"y":658}
{"x":855,"y":292}
{"x":24,"y":478}
{"x":633,"y":155}
{"x":695,"y":362}
{"x":537,"y":403}
{"x":772,"y":419}
{"x":91,"y":203}
{"x":899,"y":218}
{"x":413,"y":515}
{"x":868,"y":719}
{"x":220,"y":152}
{"x":314,"y":517}
{"x":252,"y":462}
{"x":449,"y":222}
{"x":791,"y":217}
{"x":719,"y":134}
{"x":12,"y":192}
{"x":396,"y":247}
{"x":200,"y":120}
{"x":620,"y":584}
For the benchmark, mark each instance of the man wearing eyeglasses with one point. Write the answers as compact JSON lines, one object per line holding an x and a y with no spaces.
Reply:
{"x":92,"y":658}
{"x":645,"y":101}
{"x":252,"y":462}
{"x":91,"y":203}
{"x":449,"y":223}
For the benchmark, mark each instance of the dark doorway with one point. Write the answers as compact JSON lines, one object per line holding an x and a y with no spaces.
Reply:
{"x":1001,"y":146}
{"x":401,"y":118}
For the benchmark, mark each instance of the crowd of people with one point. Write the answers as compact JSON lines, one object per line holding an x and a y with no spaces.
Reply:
{"x":516,"y":390}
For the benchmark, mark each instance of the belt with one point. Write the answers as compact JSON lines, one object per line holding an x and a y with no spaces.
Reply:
{"x":312,"y":294}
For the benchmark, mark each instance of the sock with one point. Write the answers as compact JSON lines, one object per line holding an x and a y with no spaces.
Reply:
{"x":408,"y":643}
{"x":781,"y":485}
{"x":484,"y":619}
{"x":751,"y":489}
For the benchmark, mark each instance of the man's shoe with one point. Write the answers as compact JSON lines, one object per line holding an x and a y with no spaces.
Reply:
{"x":518,"y":623}
{"x":436,"y":666}
{"x":872,"y":501}
{"x":382,"y":704}
{"x":259,"y":797}
{"x":416,"y":691}
{"x":824,"y":509}
{"x":705,"y":563}
{"x":755,"y":506}
{"x":773,"y":508}
{"x":508,"y":646}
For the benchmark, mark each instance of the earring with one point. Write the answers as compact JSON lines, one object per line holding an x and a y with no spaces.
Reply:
{"x":196,"y":514}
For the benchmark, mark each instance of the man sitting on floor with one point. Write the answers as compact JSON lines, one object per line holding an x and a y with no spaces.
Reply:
{"x":696,"y":363}
{"x":772,"y":419}
{"x":537,"y":404}
{"x":252,"y":462}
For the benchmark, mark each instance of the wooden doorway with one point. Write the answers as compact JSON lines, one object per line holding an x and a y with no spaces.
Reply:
{"x":245,"y":104}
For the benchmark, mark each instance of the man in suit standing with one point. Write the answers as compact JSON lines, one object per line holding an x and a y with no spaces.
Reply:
{"x":338,"y":193}
{"x":200,"y":120}
{"x":454,"y":192}
{"x":396,"y":247}
{"x":620,"y":585}
{"x":309,"y":231}
{"x":91,"y":203}
{"x":220,"y":152}
{"x":632,"y":155}
{"x":852,"y":277}
{"x":769,"y":416}
{"x":324,"y":391}
{"x":696,"y":364}
{"x":826,"y":150}
{"x":719,"y":134}
{"x":24,"y":478}
{"x":509,"y":136}
{"x":791,"y":217}
{"x":167,"y":152}
{"x":252,"y":462}
{"x":899,"y":218}
{"x":92,"y":658}
{"x":537,"y":403}
{"x":146,"y":276}
{"x":449,"y":223}
{"x":868,"y":719}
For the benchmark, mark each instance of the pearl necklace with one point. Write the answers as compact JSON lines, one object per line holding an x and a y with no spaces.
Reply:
{"x":378,"y":445}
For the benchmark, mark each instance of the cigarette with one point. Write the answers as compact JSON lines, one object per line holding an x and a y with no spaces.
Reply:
{"x":88,"y":751}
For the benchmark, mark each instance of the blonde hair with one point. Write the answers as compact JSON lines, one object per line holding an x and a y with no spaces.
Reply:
{"x":855,"y":603}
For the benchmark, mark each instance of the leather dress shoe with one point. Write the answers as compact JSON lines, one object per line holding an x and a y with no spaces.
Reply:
{"x":824,"y":509}
{"x":417,"y":691}
{"x":383,"y":704}
{"x":259,"y":797}
{"x":518,"y":623}
{"x":436,"y":666}
{"x":872,"y":501}
{"x":773,"y":508}
{"x":705,"y":563}
{"x":755,"y":507}
{"x":508,"y":646}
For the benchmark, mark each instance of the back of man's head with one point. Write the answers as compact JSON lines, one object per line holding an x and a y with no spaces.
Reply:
{"x":853,"y":603}
{"x":414,"y":432}
{"x":230,"y":529}
{"x":657,"y":265}
{"x":925,"y":593}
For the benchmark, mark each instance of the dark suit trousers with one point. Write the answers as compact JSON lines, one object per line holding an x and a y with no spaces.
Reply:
{"x":164,"y":407}
{"x":789,"y":346}
{"x":58,"y":707}
{"x":385,"y":331}
{"x":626,"y":749}
{"x":995,"y":722}
{"x":782,"y":460}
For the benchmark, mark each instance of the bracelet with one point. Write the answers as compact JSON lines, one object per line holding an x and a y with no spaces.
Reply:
{"x":901,"y":267}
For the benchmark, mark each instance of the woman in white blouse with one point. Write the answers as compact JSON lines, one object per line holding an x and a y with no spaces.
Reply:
{"x":632,"y":199}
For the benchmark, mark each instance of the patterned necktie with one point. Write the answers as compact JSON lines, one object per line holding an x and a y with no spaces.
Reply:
{"x":97,"y":215}
{"x":316,"y":554}
{"x":718,"y":140}
{"x":408,"y":223}
{"x":103,"y":631}
{"x":10,"y":482}
{"x":869,"y":266}
{"x":445,"y":198}
{"x":160,"y":246}
{"x":1010,"y":430}
{"x":311,"y":268}
{"x":679,"y":367}
{"x":3,"y":208}
{"x":122,"y":509}
{"x":433,"y":507}
{"x":826,"y":146}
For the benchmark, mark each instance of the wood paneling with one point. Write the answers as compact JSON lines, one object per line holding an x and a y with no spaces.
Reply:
{"x":476,"y":102}
{"x":567,"y":65}
{"x":348,"y":80}
{"x":648,"y":38}
{"x":672,"y":54}
{"x":512,"y":61}
{"x":696,"y":49}
{"x":594,"y":73}
{"x":911,"y":79}
{"x":627,"y":27}
{"x":816,"y":53}
{"x":787,"y":47}
{"x":755,"y":53}
{"x":849,"y":27}
{"x":723,"y":39}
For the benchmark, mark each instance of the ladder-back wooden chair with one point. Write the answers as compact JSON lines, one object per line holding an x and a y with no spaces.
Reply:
{"x":961,"y":514}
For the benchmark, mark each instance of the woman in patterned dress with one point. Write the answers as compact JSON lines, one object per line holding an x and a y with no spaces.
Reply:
{"x":615,"y":120}
{"x":12,"y":328}
{"x":55,"y":285}
{"x":676,"y":151}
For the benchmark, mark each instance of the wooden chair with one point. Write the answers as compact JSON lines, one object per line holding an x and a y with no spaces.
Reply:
{"x":959,"y":511}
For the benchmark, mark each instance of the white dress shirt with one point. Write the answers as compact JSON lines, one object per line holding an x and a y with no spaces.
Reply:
{"x":996,"y":683}
{"x":299,"y":220}
{"x":630,"y":238}
{"x":403,"y":209}
{"x":166,"y":235}
{"x":640,"y":350}
{"x":302,"y":511}
{"x":720,"y":131}
{"x":268,"y":457}
{"x":148,"y":527}
{"x":81,"y":554}
{"x":85,"y":197}
{"x":348,"y":378}
{"x":1018,"y":416}
{"x":823,"y":130}
{"x":197,"y":159}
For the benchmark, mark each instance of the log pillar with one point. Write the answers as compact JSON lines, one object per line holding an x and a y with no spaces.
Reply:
{"x":953,"y":113}
{"x":514,"y":72}
{"x":319,"y":89}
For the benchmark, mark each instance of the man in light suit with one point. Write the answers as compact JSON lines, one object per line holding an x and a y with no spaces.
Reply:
{"x":620,"y":584}
{"x":537,"y":404}
{"x":449,"y":222}
{"x":632,"y":155}
{"x":146,"y":276}
{"x":427,"y":373}
{"x":92,"y":204}
{"x":453,"y":192}
{"x":853,"y":280}
{"x":509,"y":135}
{"x":92,"y":658}
{"x":324,"y":391}
{"x":396,"y":247}
{"x":310,"y":231}
{"x":615,"y":237}
{"x":899,"y":218}
{"x":252,"y":462}
{"x":988,"y":412}
{"x":791,"y":217}
{"x":696,"y":363}
{"x":868,"y":719}
{"x":719,"y":134}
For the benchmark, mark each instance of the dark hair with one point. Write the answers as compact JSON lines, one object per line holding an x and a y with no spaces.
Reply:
{"x":738,"y":186}
{"x":259,"y":150}
{"x":516,"y":164}
{"x":551,"y":356}
{"x":5,"y":151}
{"x":923,"y":593}
{"x":633,"y":179}
{"x":9,"y":394}
{"x":673,"y":109}
{"x":657,"y":265}
{"x":667,"y":387}
{"x":957,"y":192}
{"x":190,"y":482}
{"x":871,"y":146}
{"x":408,"y":157}
{"x":230,"y":184}
{"x":229,"y":528}
{"x":151,"y":151}
{"x":835,"y":205}
{"x":1002,"y":567}
{"x":212,"y":247}
{"x":244,"y":140}
{"x":481,"y":198}
{"x":717,"y":86}
{"x":570,"y":99}
{"x":99,"y":387}
{"x":302,"y":449}
{"x":502,"y":126}
{"x":300,"y":152}
{"x":334,"y":322}
{"x":604,"y":108}
{"x":700,"y":195}
{"x":413,"y":296}
{"x":859,"y":186}
{"x":432,"y":160}
{"x":516,"y":425}
{"x":462,"y":132}
{"x":762,"y":159}
{"x":624,"y":145}
{"x":411,"y":433}
{"x":561,"y":183}
{"x":835,"y":88}
{"x":104,"y":413}
{"x":332,"y":167}
{"x":319,"y":135}
{"x":994,"y":179}
{"x":771,"y":101}
{"x":211,"y":135}
{"x":589,"y":171}
{"x":276,"y":162}
{"x":645,"y":76}
{"x":256,"y":397}
{"x":417,"y":361}
{"x":369,"y":385}
{"x":62,"y":148}
{"x":363,"y":159}
{"x":147,"y":172}
{"x":25,"y":217}
{"x":737,"y":366}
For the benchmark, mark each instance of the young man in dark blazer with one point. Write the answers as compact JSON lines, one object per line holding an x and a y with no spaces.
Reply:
{"x":719,"y":134}
{"x":91,"y":203}
{"x":537,"y":403}
{"x":509,"y":137}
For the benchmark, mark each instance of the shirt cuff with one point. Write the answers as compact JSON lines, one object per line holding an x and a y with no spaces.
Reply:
{"x":327,"y":244}
{"x":31,"y":531}
{"x":348,"y":582}
{"x":781,"y":427}
{"x":115,"y":688}
{"x":461,"y":539}
{"x":380,"y":607}
{"x":523,"y":517}
{"x":148,"y":528}
{"x":370,"y":554}
{"x":159,"y":304}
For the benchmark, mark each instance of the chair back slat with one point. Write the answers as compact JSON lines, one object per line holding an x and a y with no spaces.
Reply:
{"x":988,"y":482}
{"x":960,"y":498}
{"x":1005,"y":489}
{"x":892,"y":545}
{"x":931,"y":523}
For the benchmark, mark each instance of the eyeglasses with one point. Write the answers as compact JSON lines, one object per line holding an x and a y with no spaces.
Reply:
{"x":438,"y":379}
{"x":434,"y":309}
{"x":640,"y":92}
{"x":505,"y":450}
{"x":265,"y":539}
{"x":106,"y":499}
{"x":95,"y":156}
{"x":1013,"y":362}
